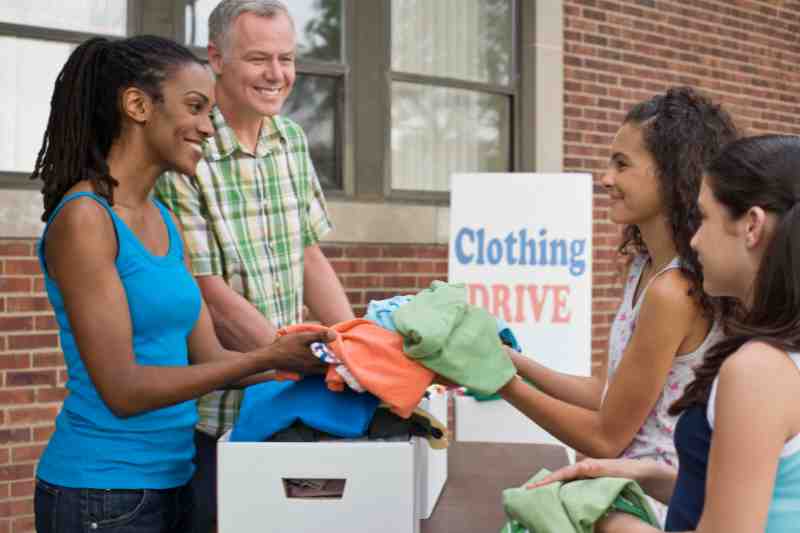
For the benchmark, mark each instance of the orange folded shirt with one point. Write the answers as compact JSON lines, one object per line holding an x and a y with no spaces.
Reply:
{"x":375,"y":357}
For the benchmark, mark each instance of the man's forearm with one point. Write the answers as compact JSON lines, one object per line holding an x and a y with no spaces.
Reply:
{"x":243,"y":333}
{"x":323,"y":293}
{"x":237,"y":322}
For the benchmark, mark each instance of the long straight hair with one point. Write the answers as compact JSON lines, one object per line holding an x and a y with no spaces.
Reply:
{"x":761,"y":171}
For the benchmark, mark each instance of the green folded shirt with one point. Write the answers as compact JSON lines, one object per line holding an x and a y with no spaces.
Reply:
{"x":454,"y":339}
{"x":572,"y":507}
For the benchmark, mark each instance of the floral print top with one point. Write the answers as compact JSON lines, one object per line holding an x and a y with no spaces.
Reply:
{"x":654,"y":439}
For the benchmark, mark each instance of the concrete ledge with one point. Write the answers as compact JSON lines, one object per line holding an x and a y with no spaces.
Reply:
{"x":549,"y":125}
{"x":354,"y":221}
{"x":19,"y":212}
{"x":388,"y":223}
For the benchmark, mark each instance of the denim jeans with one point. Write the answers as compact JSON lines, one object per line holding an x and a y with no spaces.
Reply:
{"x":204,"y":484}
{"x":67,"y":510}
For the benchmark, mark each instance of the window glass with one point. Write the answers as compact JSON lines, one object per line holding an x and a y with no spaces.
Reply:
{"x":90,"y":16}
{"x":29,"y":69}
{"x":469,"y":40}
{"x":438,"y":131}
{"x":313,"y":105}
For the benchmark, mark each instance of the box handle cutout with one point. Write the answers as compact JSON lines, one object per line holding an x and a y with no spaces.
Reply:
{"x":313,"y":489}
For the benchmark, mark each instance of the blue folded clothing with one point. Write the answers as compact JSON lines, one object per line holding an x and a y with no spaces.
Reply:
{"x":380,"y":311}
{"x":507,"y":335}
{"x":275,"y":405}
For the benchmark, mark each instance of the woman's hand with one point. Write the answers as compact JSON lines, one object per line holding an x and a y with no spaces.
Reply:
{"x":593,"y":468}
{"x":291,"y":352}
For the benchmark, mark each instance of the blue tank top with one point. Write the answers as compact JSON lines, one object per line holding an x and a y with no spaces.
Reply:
{"x":693,"y":442}
{"x":91,"y":447}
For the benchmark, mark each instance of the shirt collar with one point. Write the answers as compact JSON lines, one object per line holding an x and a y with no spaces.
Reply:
{"x":223,"y":143}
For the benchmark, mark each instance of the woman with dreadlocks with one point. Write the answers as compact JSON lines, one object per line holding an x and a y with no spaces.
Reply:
{"x":131,"y":318}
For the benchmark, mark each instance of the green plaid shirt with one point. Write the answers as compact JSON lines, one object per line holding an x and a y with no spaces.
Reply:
{"x":248,"y":219}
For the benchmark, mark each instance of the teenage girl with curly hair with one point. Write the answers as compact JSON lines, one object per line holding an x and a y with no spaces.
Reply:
{"x":665,"y":322}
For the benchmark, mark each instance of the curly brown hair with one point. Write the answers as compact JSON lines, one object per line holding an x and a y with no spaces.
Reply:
{"x":683,"y":131}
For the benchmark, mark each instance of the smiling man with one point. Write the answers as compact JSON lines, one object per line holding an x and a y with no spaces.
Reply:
{"x":254,"y":213}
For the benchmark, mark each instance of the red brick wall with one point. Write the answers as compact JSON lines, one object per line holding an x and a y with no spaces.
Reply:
{"x":744,"y":53}
{"x":375,"y":271}
{"x":31,"y":369}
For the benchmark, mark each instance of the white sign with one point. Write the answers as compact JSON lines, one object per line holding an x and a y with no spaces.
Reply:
{"x":522,"y":243}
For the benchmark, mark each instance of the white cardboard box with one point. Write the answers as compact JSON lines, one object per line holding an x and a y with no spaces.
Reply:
{"x":379,"y":493}
{"x":389,"y":486}
{"x":432,"y":464}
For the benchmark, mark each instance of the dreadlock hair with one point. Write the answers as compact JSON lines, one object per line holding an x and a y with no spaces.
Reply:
{"x":761,"y":171}
{"x":683,"y":131}
{"x":85,"y":114}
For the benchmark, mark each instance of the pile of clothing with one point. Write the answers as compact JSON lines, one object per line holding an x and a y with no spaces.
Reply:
{"x":379,"y":369}
{"x":390,"y":357}
{"x":574,"y":506}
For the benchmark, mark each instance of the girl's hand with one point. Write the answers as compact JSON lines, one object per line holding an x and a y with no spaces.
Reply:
{"x":593,"y":468}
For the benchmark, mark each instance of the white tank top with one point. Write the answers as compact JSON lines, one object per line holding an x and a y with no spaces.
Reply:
{"x":654,"y":439}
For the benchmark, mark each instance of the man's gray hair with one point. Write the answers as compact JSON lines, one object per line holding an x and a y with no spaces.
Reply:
{"x":226,"y":12}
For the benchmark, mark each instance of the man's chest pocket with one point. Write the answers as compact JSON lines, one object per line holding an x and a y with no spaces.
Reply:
{"x":284,"y":225}
{"x":241,"y":205}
